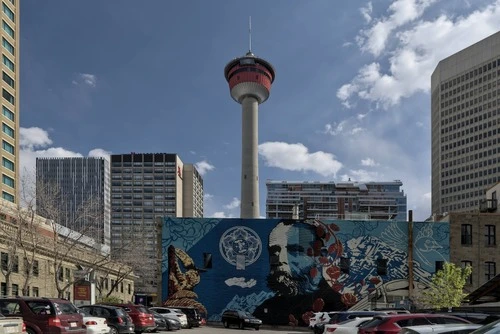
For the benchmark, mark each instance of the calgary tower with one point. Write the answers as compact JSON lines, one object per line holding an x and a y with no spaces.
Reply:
{"x":250,"y":79}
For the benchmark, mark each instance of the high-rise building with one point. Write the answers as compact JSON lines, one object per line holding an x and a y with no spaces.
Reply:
{"x":330,"y":200}
{"x":84,"y":186}
{"x":10,"y":100}
{"x":250,"y":79}
{"x":145,"y":187}
{"x":465,"y":90}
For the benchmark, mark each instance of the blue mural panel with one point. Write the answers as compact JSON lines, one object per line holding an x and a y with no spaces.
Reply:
{"x":282,"y":270}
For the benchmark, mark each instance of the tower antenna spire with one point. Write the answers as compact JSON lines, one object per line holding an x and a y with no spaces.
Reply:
{"x":250,"y":34}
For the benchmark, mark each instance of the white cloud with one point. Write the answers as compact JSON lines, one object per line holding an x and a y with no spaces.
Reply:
{"x":296,"y":157}
{"x":241,"y":282}
{"x":361,"y":175}
{"x":369,"y":162}
{"x":99,"y":152}
{"x":235,"y":203}
{"x":220,"y":214}
{"x":33,"y":137}
{"x":415,"y":50}
{"x":366,"y":12}
{"x":88,"y":79}
{"x":203,"y":167}
{"x":207,"y":196}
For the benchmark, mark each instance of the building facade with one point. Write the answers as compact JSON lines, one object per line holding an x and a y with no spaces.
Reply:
{"x":465,"y":118}
{"x":84,"y":183}
{"x":10,"y":100}
{"x":341,"y":200}
{"x":283,"y":270}
{"x":143,"y":188}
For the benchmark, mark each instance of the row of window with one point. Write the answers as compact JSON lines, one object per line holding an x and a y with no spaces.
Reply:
{"x":32,"y":268}
{"x":35,"y":291}
{"x":144,"y":196}
{"x":466,"y":103}
{"x":141,"y":170}
{"x":471,"y":74}
{"x":490,"y":270}
{"x":138,"y":177}
{"x":114,"y":285}
{"x":145,"y":164}
{"x":467,"y":88}
{"x":489,"y":234}
{"x":158,"y":190}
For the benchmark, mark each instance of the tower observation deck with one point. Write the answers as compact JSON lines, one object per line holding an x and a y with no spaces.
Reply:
{"x":250,"y":79}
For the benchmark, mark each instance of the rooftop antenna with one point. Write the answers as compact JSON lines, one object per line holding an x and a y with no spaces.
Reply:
{"x":250,"y":34}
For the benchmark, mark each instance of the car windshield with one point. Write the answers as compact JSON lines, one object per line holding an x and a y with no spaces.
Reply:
{"x":245,"y":314}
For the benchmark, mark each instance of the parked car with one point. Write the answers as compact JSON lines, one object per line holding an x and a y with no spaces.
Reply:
{"x":44,"y":315}
{"x":95,"y":325}
{"x":160,"y":322}
{"x":241,"y":319}
{"x":12,"y":325}
{"x":320,"y":318}
{"x":392,"y":323}
{"x":141,"y":316}
{"x":474,"y":317}
{"x":192,"y":314}
{"x":346,"y":327}
{"x":118,"y":320}
{"x":338,"y":317}
{"x":175,"y":312}
{"x":441,"y":329}
{"x":491,"y":328}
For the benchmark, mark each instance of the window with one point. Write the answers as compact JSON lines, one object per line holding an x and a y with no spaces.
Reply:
{"x":4,"y":259}
{"x":35,"y":292}
{"x":67,"y":273}
{"x":8,"y":12}
{"x":60,"y":274}
{"x":8,"y":181}
{"x":7,"y":147}
{"x":7,"y":113}
{"x":7,"y":130}
{"x":3,"y":289}
{"x":129,"y":288}
{"x":15,"y":290}
{"x":466,"y":234}
{"x":8,"y":29}
{"x":7,"y":62}
{"x":439,"y":266}
{"x":8,"y":164}
{"x":381,"y":267}
{"x":489,"y":270}
{"x":469,"y":264}
{"x":8,"y":46}
{"x":13,"y":2}
{"x":490,"y":235}
{"x":35,"y":268}
{"x":8,"y":96}
{"x":7,"y":79}
{"x":121,"y":287}
{"x":7,"y":196}
{"x":15,"y":264}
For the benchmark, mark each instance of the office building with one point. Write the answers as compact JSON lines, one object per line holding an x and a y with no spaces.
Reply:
{"x":330,"y":200}
{"x":83,"y":184}
{"x":145,"y":187}
{"x":10,"y":100}
{"x":465,"y":120}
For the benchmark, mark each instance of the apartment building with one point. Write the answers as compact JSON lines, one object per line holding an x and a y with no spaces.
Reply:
{"x":465,"y":121}
{"x":10,"y":100}
{"x":84,"y":185}
{"x":341,"y":200}
{"x":144,"y":188}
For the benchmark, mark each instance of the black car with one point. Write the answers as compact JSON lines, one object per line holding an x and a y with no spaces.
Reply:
{"x":119,"y":322}
{"x":241,"y":319}
{"x":165,"y":323}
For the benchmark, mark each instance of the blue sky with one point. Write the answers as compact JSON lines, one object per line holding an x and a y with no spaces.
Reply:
{"x":350,"y":99}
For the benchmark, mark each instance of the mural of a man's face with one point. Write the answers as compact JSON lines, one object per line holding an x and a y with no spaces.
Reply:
{"x":290,"y":272}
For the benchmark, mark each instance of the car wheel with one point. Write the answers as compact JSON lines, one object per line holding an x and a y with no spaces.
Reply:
{"x":226,"y":324}
{"x":113,"y":330}
{"x":257,"y":328}
{"x":30,"y":331}
{"x":241,"y":326}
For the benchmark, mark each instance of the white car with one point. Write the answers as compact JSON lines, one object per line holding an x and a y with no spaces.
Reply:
{"x":181,"y":316}
{"x":95,"y":325}
{"x":347,"y":327}
{"x":440,"y":328}
{"x":319,"y":317}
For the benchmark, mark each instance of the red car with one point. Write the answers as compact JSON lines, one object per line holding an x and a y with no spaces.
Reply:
{"x":143,"y":319}
{"x":392,"y":323}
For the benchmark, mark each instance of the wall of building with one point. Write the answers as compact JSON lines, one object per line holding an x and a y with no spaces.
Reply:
{"x":281,"y":270}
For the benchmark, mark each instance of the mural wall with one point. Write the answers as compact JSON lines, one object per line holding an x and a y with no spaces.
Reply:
{"x":282,"y":270}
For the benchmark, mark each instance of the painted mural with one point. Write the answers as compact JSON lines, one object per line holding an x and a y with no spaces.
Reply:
{"x":283,"y":270}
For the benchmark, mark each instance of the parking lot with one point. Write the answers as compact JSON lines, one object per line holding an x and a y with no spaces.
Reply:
{"x":220,"y":329}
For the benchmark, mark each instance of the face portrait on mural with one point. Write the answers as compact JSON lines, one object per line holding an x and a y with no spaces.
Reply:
{"x":293,"y":264}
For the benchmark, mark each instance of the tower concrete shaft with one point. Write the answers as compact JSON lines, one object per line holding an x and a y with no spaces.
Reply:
{"x":249,"y":80}
{"x":250,"y":158}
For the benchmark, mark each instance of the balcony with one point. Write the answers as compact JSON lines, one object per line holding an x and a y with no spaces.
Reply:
{"x":488,"y":205}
